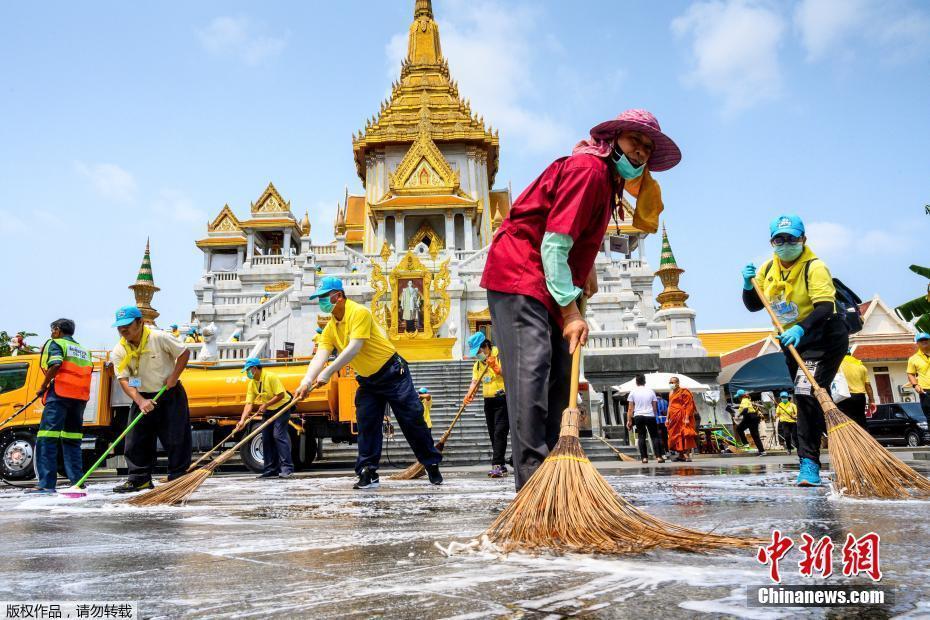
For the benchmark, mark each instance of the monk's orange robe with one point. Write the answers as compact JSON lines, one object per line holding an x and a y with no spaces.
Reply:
{"x":680,"y":422}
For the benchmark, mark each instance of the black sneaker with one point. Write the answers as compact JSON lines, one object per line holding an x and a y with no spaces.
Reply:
{"x":268,"y":475}
{"x":368,"y":479}
{"x":133,"y":487}
{"x":286,"y":474}
{"x":434,"y":476}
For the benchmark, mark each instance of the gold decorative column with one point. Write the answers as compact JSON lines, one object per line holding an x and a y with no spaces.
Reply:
{"x":144,"y":289}
{"x":669,"y":272}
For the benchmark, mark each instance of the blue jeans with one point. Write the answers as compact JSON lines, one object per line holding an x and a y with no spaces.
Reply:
{"x":276,"y":446}
{"x":62,"y":421}
{"x":391,"y":385}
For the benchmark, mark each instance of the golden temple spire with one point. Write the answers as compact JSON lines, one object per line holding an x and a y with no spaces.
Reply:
{"x":423,"y":8}
{"x":144,"y":289}
{"x":423,"y":46}
{"x":669,"y":273}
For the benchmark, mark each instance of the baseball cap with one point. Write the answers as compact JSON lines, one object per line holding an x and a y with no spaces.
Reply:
{"x":921,"y":336}
{"x":423,"y":390}
{"x":740,"y":393}
{"x":786,"y":225}
{"x":126,"y":315}
{"x":474,"y":343}
{"x":327,"y":285}
{"x":783,"y":395}
{"x":251,"y":362}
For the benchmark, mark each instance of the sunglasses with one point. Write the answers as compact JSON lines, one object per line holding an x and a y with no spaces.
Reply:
{"x":783,"y":239}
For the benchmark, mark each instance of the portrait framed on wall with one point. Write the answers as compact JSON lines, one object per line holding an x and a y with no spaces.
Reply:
{"x":411,"y":310}
{"x":410,"y":305}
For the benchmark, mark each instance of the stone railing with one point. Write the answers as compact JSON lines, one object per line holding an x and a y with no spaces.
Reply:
{"x":358,"y":256}
{"x":354,"y":280}
{"x":473,"y":262}
{"x":226,"y":299}
{"x":461,"y":255}
{"x":275,"y":305}
{"x":605,"y":342}
{"x":323,"y":250}
{"x":225,"y":276}
{"x":226,"y":351}
{"x":273,"y":259}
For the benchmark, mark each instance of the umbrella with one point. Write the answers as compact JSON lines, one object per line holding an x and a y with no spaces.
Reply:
{"x":658,"y":382}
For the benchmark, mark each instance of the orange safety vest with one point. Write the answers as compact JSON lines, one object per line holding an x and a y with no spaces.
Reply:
{"x":74,"y":376}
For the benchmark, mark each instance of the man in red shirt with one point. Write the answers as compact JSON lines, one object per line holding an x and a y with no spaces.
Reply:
{"x":542,"y":260}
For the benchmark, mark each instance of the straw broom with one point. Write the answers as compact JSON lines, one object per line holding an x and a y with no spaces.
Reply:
{"x":194,"y":465}
{"x":620,"y":455}
{"x":417,"y":470}
{"x":568,"y":506}
{"x":862,"y":467}
{"x":179,"y":490}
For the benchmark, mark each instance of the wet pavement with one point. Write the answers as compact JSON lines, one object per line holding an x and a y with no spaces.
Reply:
{"x":311,"y":547}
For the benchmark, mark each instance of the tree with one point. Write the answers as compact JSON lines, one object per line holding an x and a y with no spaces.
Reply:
{"x":6,"y":342}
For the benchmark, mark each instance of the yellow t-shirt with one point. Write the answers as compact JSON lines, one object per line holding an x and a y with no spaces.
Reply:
{"x":492,"y":383}
{"x":267,"y":387}
{"x":857,"y":375}
{"x":746,"y":405}
{"x":802,"y":292}
{"x":919,"y":364}
{"x":358,"y":324}
{"x":787,"y":412}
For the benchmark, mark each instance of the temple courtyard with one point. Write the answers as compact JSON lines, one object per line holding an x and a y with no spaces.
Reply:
{"x":312,"y":547}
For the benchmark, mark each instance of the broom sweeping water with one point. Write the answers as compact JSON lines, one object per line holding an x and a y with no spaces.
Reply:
{"x":179,"y":490}
{"x":76,"y":491}
{"x":417,"y":470}
{"x":861,"y":466}
{"x":566,"y":505}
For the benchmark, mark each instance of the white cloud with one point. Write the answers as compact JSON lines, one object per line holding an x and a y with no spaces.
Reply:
{"x":734,"y":44}
{"x":109,"y":181}
{"x":178,"y":207}
{"x":491,"y":49}
{"x":832,"y":239}
{"x":238,"y":37}
{"x":844,"y":26}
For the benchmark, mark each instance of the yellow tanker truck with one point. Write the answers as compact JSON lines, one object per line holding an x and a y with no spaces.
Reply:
{"x":215,"y":391}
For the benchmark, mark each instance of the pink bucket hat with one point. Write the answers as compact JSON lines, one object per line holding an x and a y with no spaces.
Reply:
{"x":666,"y":153}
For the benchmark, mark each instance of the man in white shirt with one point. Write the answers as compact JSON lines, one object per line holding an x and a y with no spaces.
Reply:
{"x":641,"y":411}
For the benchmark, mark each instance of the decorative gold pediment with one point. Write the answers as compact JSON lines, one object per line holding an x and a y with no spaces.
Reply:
{"x":424,"y":170}
{"x":425,"y":230}
{"x":271,"y":202}
{"x":226,"y":221}
{"x":277,"y":287}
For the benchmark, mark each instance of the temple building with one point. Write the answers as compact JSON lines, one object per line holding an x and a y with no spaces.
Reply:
{"x":413,"y":246}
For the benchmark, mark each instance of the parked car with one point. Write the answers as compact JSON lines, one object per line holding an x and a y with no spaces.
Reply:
{"x":899,"y":423}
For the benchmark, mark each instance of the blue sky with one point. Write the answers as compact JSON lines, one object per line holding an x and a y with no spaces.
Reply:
{"x":120,"y":121}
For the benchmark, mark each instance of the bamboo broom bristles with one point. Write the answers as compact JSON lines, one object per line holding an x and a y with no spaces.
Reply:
{"x":620,"y":455}
{"x":566,"y":505}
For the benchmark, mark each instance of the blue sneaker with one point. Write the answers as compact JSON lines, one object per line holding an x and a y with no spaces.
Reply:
{"x":39,"y":491}
{"x":809,"y":476}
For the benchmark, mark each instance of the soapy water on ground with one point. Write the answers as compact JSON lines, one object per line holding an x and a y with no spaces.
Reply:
{"x":312,"y":547}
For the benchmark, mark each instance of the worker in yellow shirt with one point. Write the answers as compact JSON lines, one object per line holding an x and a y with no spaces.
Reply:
{"x":383,"y":379}
{"x":918,"y":371}
{"x":266,"y":390}
{"x":787,"y":414}
{"x":488,"y":370}
{"x":861,"y":397}
{"x":749,"y":420}
{"x":800,"y":289}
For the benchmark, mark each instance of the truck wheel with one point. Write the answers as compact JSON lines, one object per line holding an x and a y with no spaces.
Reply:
{"x":305,"y":444}
{"x":913,"y":439}
{"x":253,"y":455}
{"x":17,"y":455}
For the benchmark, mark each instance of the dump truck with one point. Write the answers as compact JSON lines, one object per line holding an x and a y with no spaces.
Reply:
{"x":216,"y":394}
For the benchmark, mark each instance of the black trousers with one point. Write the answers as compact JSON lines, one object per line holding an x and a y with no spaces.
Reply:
{"x":644,"y":424}
{"x":925,"y":404}
{"x":495,"y":416}
{"x":750,"y":421}
{"x":827,"y":347}
{"x":170,"y":422}
{"x":789,"y":434}
{"x":537,"y":372}
{"x":663,"y":436}
{"x":854,"y":408}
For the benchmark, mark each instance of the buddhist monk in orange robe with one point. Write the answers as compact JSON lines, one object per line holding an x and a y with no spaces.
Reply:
{"x":680,"y":422}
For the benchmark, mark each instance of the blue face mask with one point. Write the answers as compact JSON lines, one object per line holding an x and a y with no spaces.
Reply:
{"x":789,"y":252}
{"x":624,"y":168}
{"x":326,"y":305}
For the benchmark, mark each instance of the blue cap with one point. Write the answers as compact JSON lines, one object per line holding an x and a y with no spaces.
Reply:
{"x":784,"y":395}
{"x":740,"y":393}
{"x":424,"y":391}
{"x":126,"y":315}
{"x":251,"y":362}
{"x":174,"y":326}
{"x":921,"y":336}
{"x":327,"y":285}
{"x":474,"y":343}
{"x":319,"y":330}
{"x":786,"y":225}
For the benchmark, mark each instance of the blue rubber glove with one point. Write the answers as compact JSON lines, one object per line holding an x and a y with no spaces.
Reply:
{"x":749,"y":272}
{"x":792,"y":336}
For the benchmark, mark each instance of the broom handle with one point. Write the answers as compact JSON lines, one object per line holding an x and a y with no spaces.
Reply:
{"x":781,"y":330}
{"x":228,"y":454}
{"x":576,"y":359}
{"x":220,"y":444}
{"x":445,"y":436}
{"x":116,"y":441}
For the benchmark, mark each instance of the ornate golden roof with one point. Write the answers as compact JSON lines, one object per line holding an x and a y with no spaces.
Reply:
{"x":226,"y":221}
{"x":424,"y":81}
{"x":271,"y":202}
